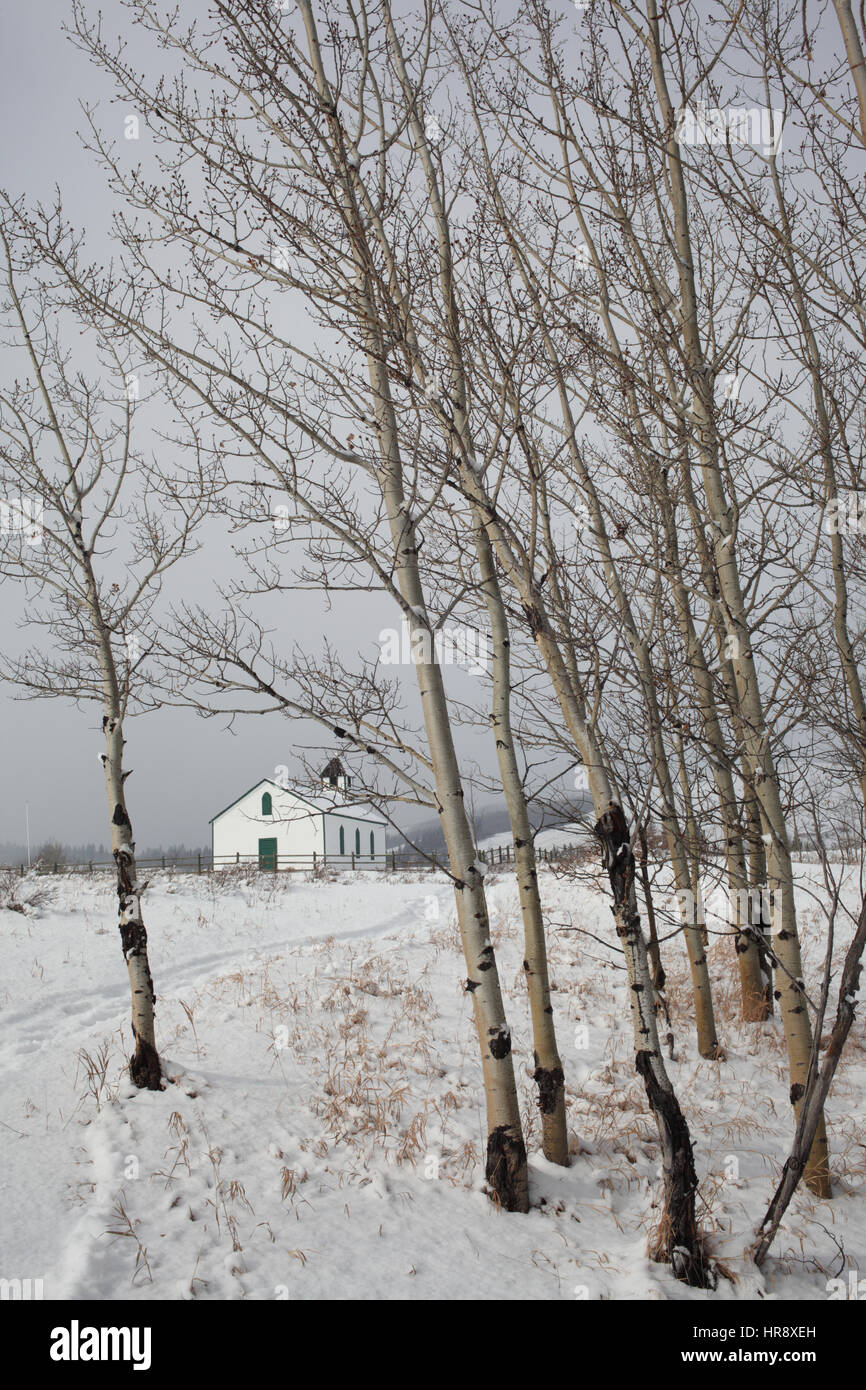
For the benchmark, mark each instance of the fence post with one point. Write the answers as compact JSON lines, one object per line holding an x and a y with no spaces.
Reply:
{"x":314,"y":861}
{"x":199,"y":863}
{"x":393,"y":862}
{"x":353,"y":859}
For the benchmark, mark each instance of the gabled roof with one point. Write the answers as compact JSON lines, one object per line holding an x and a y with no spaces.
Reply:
{"x":361,"y":810}
{"x":265,"y":781}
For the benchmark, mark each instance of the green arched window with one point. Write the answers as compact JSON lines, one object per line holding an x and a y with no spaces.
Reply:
{"x":267,"y":805}
{"x":357,"y":842}
{"x":372,"y":845}
{"x":342,"y":840}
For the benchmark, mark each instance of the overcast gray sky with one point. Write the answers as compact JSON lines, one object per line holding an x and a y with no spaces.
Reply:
{"x":185,"y":768}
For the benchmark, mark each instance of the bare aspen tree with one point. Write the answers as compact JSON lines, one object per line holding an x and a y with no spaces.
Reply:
{"x":829,"y":341}
{"x":456,"y":422}
{"x":331,"y":214}
{"x":816,"y":311}
{"x":700,"y":376}
{"x":477,"y":573}
{"x":690,"y":368}
{"x":547,"y":333}
{"x":755,"y":998}
{"x":679,"y":1239}
{"x":818,"y":1084}
{"x":548,"y":1075}
{"x":67,"y":450}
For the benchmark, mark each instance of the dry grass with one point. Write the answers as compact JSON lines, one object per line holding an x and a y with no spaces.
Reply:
{"x":125,"y":1229}
{"x":26,"y":894}
{"x":358,"y":1038}
{"x":94,"y":1067}
{"x":180,"y":1150}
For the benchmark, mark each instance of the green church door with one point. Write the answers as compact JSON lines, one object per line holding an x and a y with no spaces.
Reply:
{"x":268,"y":854}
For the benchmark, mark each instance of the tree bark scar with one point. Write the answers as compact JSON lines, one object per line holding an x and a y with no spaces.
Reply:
{"x":471,"y":985}
{"x":797,"y":1092}
{"x":532,"y":614}
{"x":144,"y":1067}
{"x":679,"y":1242}
{"x":499,"y":1042}
{"x":120,"y":817}
{"x":133,"y":938}
{"x":550,"y":1081}
{"x":486,"y":961}
{"x":505,"y":1169}
{"x":612,"y":831}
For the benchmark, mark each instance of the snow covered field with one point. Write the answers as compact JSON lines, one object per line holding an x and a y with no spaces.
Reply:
{"x":321,"y":1132}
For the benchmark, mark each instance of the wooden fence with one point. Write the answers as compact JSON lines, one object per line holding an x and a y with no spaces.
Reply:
{"x":392,"y":861}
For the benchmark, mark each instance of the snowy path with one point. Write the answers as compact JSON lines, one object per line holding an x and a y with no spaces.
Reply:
{"x":40,"y":1041}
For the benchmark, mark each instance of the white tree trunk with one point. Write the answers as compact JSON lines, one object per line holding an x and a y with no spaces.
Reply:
{"x":548,"y":1074}
{"x":798,"y":1031}
{"x":677,"y":1239}
{"x":756,"y":1003}
{"x":144,"y":1066}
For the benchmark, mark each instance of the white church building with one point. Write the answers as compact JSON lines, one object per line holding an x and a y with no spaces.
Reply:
{"x":274,"y":826}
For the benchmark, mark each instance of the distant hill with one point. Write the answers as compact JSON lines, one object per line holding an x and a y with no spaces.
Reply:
{"x":491,"y":826}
